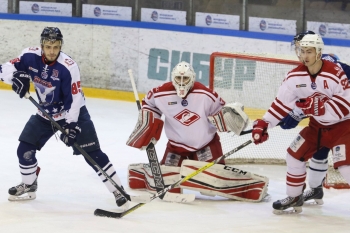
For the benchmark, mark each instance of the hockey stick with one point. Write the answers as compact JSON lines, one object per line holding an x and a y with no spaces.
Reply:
{"x":251,"y":130}
{"x":100,"y":212}
{"x":154,"y":163}
{"x":139,"y":199}
{"x":246,"y":132}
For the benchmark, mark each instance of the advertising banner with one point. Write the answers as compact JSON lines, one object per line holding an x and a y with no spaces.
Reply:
{"x":217,"y":21}
{"x":3,"y":6}
{"x":45,"y":8}
{"x":332,"y":30}
{"x":278,"y":26}
{"x":163,"y":16}
{"x":107,"y":12}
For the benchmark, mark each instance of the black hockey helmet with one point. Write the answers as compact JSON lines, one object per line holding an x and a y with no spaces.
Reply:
{"x":51,"y":34}
{"x":300,"y":36}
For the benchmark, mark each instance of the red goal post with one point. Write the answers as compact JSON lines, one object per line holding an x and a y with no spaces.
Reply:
{"x":253,"y":80}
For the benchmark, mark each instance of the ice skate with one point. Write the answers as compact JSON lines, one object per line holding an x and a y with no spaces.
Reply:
{"x":296,"y":203}
{"x":121,"y":200}
{"x":315,"y":194}
{"x":24,"y":192}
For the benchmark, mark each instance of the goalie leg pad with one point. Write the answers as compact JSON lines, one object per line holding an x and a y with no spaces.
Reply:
{"x":136,"y":176}
{"x":225,"y":181}
{"x":140,"y":177}
{"x":148,"y":129}
{"x":230,"y":118}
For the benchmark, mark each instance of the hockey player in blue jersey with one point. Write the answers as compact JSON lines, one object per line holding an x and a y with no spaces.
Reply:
{"x":56,"y":78}
{"x":318,"y":164}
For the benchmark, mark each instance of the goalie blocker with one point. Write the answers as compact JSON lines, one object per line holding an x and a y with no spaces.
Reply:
{"x":221,"y":180}
{"x":148,"y":129}
{"x":231,"y":118}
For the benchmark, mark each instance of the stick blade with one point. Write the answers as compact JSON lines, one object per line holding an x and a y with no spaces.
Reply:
{"x":108,"y":214}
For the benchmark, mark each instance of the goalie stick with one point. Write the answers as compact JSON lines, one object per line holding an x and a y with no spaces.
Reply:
{"x":138,"y":199}
{"x":99,"y":212}
{"x":154,"y":163}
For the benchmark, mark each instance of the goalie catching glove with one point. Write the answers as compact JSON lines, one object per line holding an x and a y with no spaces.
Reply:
{"x":148,"y":129}
{"x":230,"y":118}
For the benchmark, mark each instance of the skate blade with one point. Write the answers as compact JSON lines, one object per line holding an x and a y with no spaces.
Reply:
{"x":294,"y":210}
{"x":25,"y":197}
{"x":314,"y":202}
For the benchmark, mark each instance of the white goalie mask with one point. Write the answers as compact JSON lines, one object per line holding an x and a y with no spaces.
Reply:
{"x":183,"y":77}
{"x":314,"y":41}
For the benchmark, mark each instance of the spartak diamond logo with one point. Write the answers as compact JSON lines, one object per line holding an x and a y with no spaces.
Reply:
{"x":187,"y":117}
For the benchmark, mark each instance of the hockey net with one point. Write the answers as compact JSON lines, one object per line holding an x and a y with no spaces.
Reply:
{"x":254,"y":79}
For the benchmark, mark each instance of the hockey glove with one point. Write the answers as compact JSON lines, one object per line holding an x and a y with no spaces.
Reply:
{"x":21,"y":83}
{"x":291,"y":120}
{"x":71,"y":135}
{"x":259,"y":132}
{"x":313,"y":105}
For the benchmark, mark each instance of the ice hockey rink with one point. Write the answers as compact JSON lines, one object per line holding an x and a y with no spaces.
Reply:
{"x":69,"y":190}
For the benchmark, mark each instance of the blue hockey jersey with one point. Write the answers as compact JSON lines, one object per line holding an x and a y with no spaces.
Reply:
{"x":333,"y":58}
{"x":57,"y":85}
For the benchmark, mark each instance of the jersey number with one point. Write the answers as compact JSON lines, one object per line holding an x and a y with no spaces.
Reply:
{"x":76,"y":88}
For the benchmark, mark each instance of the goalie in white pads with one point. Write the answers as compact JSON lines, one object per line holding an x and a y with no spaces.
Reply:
{"x":193,"y":114}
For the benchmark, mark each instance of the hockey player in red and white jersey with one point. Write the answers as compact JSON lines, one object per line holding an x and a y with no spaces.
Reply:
{"x":318,"y":164}
{"x":193,"y":114}
{"x":322,"y":91}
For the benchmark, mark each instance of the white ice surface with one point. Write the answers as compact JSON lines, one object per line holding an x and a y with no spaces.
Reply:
{"x":69,"y":190}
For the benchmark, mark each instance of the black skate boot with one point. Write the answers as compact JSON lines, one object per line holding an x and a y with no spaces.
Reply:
{"x":21,"y":189}
{"x":315,"y":194}
{"x":120,"y":199}
{"x":296,"y":203}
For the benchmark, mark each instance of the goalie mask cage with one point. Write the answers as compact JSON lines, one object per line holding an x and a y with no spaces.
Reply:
{"x":253,"y":80}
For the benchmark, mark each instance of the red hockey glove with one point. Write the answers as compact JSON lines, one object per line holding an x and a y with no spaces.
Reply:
{"x":259,"y":132}
{"x":313,"y":105}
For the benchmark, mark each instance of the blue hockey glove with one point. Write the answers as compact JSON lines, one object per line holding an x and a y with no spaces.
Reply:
{"x":72,"y":132}
{"x":21,"y":83}
{"x":290,"y":121}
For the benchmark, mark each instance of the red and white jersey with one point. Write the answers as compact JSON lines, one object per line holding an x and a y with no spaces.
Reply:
{"x":186,"y":119}
{"x":330,"y":82}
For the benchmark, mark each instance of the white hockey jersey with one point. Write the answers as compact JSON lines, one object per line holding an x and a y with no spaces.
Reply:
{"x":186,"y":119}
{"x":331,"y":81}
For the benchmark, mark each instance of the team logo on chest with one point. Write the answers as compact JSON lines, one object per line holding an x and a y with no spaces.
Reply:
{"x":184,"y":103}
{"x":44,"y":75}
{"x":313,"y":85}
{"x":54,"y":75}
{"x":186,"y":117}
